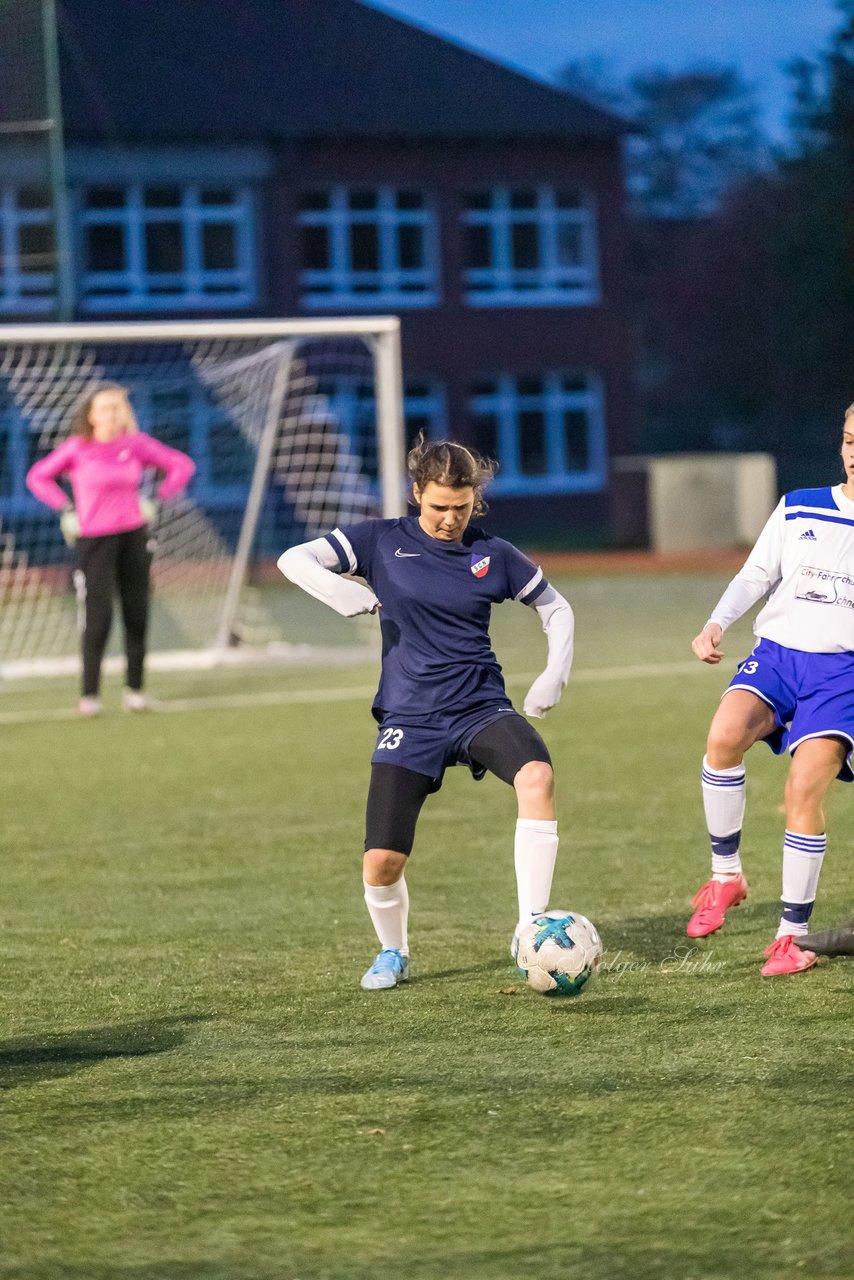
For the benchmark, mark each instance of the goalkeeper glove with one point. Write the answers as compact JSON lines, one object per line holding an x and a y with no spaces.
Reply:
{"x":149,"y":510}
{"x":69,"y":526}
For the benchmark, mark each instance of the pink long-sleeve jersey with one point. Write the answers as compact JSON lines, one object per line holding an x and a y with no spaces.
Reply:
{"x":105,"y":479}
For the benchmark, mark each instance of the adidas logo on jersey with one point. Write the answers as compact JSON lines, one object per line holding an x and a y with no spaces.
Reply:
{"x":809,"y":536}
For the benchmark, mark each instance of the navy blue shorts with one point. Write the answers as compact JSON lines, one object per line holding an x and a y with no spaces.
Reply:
{"x":811,"y":695}
{"x":439,"y":741}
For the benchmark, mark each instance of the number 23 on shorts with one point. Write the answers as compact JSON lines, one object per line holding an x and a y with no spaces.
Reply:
{"x":390,"y":740}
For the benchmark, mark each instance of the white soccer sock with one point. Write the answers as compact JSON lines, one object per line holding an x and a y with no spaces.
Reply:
{"x":535,"y":851}
{"x":388,"y":906}
{"x":802,"y":859}
{"x":724,"y":796}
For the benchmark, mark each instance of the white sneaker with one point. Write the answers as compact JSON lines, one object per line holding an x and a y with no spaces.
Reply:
{"x":135,"y":700}
{"x":90,"y":707}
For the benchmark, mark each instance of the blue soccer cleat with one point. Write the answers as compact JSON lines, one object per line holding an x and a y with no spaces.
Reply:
{"x":389,"y":968}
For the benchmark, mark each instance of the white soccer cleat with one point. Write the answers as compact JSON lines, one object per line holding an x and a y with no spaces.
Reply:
{"x":90,"y":707}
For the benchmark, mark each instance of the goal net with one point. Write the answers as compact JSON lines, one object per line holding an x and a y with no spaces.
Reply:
{"x":294,"y":426}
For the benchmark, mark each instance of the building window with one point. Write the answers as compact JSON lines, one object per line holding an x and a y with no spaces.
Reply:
{"x":424,"y":411}
{"x":186,"y":417}
{"x":530,"y":246}
{"x":366,"y":245}
{"x":11,"y":459}
{"x":546,"y":430}
{"x":349,"y":400}
{"x":27,"y":253}
{"x":175,"y":408}
{"x":161,"y":245}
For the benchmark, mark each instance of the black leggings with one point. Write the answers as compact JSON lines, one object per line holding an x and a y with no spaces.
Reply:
{"x":113,"y":562}
{"x":396,"y":795}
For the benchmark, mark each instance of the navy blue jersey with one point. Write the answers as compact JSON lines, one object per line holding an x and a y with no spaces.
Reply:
{"x":436,"y":600}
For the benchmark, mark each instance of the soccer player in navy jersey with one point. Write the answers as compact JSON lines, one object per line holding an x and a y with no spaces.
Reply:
{"x":441,"y":701}
{"x":795,"y":691}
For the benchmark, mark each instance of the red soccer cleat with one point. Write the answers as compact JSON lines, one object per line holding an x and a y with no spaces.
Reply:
{"x":713,"y":901}
{"x":785,"y":956}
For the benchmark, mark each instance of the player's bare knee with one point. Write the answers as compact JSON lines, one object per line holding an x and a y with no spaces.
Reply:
{"x":804,"y":793}
{"x":535,"y":782}
{"x":726,"y":745}
{"x":383,"y":866}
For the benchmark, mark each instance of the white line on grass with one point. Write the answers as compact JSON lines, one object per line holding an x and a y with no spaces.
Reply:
{"x":592,"y":675}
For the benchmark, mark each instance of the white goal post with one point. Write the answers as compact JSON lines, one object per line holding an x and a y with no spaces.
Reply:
{"x":295,"y":426}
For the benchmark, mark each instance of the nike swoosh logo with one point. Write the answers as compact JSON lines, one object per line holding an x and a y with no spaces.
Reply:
{"x":406,"y":555}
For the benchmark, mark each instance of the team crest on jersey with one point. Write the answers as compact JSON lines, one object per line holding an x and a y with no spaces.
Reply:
{"x":480,"y":566}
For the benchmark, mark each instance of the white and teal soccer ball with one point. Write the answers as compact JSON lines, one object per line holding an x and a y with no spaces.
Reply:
{"x":559,"y":953}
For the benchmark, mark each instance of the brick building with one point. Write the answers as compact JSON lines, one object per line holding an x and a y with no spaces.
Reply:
{"x":287,"y":157}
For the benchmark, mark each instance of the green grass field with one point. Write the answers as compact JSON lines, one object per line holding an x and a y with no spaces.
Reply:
{"x":197,"y":1089}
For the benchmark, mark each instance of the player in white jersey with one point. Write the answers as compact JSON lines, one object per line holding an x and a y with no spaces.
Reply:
{"x":795,"y":691}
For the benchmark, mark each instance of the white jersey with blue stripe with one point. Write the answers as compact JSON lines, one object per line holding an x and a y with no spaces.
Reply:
{"x":805,"y":558}
{"x":435,"y":606}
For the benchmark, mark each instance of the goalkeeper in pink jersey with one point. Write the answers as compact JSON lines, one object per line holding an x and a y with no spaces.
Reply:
{"x":104,"y":459}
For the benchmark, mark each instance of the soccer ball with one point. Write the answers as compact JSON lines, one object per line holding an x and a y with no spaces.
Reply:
{"x":559,"y":953}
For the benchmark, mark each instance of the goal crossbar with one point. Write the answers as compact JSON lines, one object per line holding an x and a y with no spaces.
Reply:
{"x":176,"y":331}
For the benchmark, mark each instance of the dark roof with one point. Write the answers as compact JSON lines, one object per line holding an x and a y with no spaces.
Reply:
{"x":217,"y":70}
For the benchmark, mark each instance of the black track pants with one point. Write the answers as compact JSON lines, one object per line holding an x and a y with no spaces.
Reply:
{"x":114,"y":562}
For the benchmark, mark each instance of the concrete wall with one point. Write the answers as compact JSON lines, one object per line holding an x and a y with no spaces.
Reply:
{"x":694,"y":501}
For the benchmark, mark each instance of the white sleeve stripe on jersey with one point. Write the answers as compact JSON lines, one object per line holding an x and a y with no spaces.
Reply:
{"x":344,"y":543}
{"x":529,"y":586}
{"x":342,"y":564}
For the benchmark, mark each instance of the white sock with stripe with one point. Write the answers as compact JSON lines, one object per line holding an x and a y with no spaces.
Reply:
{"x":534,"y":855}
{"x":388,"y":907}
{"x":724,"y":798}
{"x":802,"y":859}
